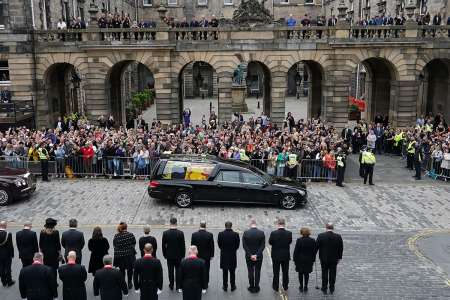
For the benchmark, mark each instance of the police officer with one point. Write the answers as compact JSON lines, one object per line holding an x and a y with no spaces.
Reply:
{"x":361,"y":164}
{"x":340,"y":159}
{"x":410,"y":150}
{"x":43,"y":157}
{"x":148,"y":275}
{"x":418,"y":158}
{"x":292,"y":165}
{"x":368,"y":159}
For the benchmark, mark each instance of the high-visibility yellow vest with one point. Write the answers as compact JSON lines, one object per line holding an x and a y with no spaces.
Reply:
{"x":43,"y":154}
{"x":292,"y":159}
{"x":368,"y":158}
{"x":398,"y":138}
{"x":340,"y":161}
{"x":411,"y":149}
{"x":243,"y":156}
{"x":428,"y":128}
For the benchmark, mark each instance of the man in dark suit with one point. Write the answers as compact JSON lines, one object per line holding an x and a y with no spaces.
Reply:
{"x":174,"y":249}
{"x":228,"y":242}
{"x":73,"y":240}
{"x":192,"y":276}
{"x":109,"y":282}
{"x":147,"y":239}
{"x":254,"y":242}
{"x":73,"y":277}
{"x":148,"y":275}
{"x":27,"y":244}
{"x":6,"y":255}
{"x":330,"y":246}
{"x":204,"y":241}
{"x":37,"y":281}
{"x":280,"y":240}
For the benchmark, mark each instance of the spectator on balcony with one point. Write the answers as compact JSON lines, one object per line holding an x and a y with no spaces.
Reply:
{"x":205,"y":24}
{"x":332,"y":21}
{"x":126,"y":23}
{"x":116,"y":23}
{"x":194,"y":24}
{"x":290,"y":22}
{"x":61,"y":25}
{"x":214,"y":23}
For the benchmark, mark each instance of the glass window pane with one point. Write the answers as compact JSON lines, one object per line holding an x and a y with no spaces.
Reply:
{"x":228,"y":176}
{"x":251,"y":178}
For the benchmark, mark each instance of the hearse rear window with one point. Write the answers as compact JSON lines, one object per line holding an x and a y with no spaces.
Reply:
{"x":187,"y":170}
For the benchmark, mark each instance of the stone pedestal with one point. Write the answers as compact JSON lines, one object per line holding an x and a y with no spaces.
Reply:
{"x":238,"y":94}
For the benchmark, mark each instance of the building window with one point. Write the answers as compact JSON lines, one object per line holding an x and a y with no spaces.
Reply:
{"x":4,"y":73}
{"x":227,"y":2}
{"x":309,"y":2}
{"x":2,"y":17}
{"x":284,"y":1}
{"x":172,"y":2}
{"x":202,"y":2}
{"x":148,"y":2}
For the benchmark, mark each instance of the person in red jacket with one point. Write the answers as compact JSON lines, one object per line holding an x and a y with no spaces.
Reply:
{"x":88,"y":156}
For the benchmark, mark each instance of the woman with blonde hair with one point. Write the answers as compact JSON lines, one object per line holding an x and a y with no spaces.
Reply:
{"x":304,"y":257}
{"x":124,"y":244}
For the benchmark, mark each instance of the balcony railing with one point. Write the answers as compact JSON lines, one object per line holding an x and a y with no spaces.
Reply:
{"x":164,"y":35}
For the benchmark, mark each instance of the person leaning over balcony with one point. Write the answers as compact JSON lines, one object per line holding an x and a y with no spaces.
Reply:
{"x":214,"y":23}
{"x":290,"y":22}
{"x":61,"y":25}
{"x":205,"y":24}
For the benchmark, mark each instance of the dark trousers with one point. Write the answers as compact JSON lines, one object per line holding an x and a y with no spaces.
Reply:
{"x":254,"y":272}
{"x":149,"y":293}
{"x":129,"y":271}
{"x":303,"y":279}
{"x":362,"y":168}
{"x":207,"y":266}
{"x":232,"y":277}
{"x":409,"y":161}
{"x":340,"y":175}
{"x":276,"y":274}
{"x":44,"y":169}
{"x":26,"y":262}
{"x":328,"y":275}
{"x":379,"y":145}
{"x":368,"y":172}
{"x":192,"y":293}
{"x":173,"y":268}
{"x":5,"y":270}
{"x":418,"y":167}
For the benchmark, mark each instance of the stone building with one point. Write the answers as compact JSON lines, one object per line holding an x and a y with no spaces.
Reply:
{"x":407,"y":71}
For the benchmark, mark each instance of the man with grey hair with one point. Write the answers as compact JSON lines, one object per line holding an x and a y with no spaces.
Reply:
{"x":109,"y":282}
{"x":27,"y":244}
{"x":73,"y":277}
{"x":330,"y":247}
{"x":254,"y":242}
{"x":6,"y":255}
{"x":73,"y":240}
{"x":192,"y":275}
{"x":204,"y":241}
{"x":280,"y":240}
{"x":147,"y":239}
{"x":148,"y":275}
{"x":37,"y":281}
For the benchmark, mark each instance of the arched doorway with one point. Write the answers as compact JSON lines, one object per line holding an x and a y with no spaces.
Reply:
{"x":304,"y":90}
{"x":126,"y":80}
{"x":258,"y":80}
{"x":198,"y":91}
{"x":64,"y":91}
{"x":374,"y":82}
{"x":434,"y":87}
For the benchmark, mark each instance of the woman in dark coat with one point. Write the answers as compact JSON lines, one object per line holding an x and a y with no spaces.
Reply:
{"x":99,"y":246}
{"x":304,"y":257}
{"x":50,"y":245}
{"x":124,"y":252}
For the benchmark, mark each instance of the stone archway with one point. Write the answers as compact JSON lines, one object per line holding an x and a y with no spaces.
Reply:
{"x":124,"y":79}
{"x":198,"y":90}
{"x":64,"y":91}
{"x":379,"y":88}
{"x":259,"y":86}
{"x":434,"y":87}
{"x":304,"y":90}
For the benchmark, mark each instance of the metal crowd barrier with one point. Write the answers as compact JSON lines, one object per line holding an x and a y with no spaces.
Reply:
{"x":433,"y":168}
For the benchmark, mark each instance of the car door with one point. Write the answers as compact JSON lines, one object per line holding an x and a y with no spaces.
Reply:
{"x":254,"y":189}
{"x":226,"y":186}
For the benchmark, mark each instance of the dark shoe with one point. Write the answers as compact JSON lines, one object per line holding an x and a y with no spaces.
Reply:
{"x":251,"y":289}
{"x":331,"y":290}
{"x":324,"y":291}
{"x":285,"y":288}
{"x":305,"y":289}
{"x":130,"y":285}
{"x":11,"y":283}
{"x":171,"y":287}
{"x":340,"y":185}
{"x":257,"y":289}
{"x":224,"y":288}
{"x":275,"y":289}
{"x":301,"y":289}
{"x":233,"y":288}
{"x":417,"y":178}
{"x":364,"y":182}
{"x":371,"y":184}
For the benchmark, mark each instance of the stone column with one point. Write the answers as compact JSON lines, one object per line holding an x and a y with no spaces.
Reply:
{"x":225,"y":109}
{"x":278,"y":93}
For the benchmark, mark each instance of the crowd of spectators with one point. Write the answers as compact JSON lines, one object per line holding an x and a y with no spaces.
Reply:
{"x":104,"y":148}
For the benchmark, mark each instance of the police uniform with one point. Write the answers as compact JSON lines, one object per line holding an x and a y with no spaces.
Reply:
{"x":43,"y":157}
{"x":368,"y":159}
{"x":340,"y":169}
{"x":411,"y":150}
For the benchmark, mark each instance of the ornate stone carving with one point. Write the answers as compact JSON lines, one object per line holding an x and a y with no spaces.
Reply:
{"x":251,"y":12}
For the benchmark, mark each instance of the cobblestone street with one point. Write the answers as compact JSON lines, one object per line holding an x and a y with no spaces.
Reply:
{"x":376,"y":223}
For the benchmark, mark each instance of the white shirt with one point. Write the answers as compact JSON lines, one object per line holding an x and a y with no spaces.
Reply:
{"x":61,"y":25}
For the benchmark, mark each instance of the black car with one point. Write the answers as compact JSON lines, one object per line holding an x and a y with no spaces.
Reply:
{"x":213,"y":180}
{"x":15,"y":184}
